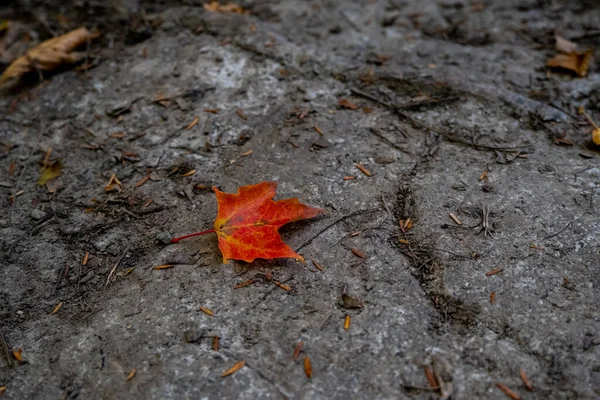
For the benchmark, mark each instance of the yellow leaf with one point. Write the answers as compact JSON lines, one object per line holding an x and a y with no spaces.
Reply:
{"x":596,"y":136}
{"x":233,"y":369}
{"x":50,"y":172}
{"x":577,"y":62}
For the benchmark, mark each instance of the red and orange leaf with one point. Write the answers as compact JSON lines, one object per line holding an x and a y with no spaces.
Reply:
{"x":248,"y":222}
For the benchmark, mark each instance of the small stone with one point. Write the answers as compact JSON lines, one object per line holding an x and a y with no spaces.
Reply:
{"x":114,"y":249}
{"x":385,"y":159}
{"x":164,"y":237}
{"x":193,"y":335}
{"x":37,"y":214}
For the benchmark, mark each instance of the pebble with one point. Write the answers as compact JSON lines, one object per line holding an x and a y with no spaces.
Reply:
{"x":37,"y":214}
{"x":164,"y":237}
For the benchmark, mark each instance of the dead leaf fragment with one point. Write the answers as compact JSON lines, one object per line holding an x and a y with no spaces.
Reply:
{"x":58,"y":306}
{"x":492,"y":297}
{"x":455,"y":219}
{"x":237,"y":366}
{"x":189,"y":173}
{"x":316,"y":264}
{"x":131,"y":375}
{"x":49,"y":54}
{"x":215,"y":6}
{"x":18,"y":355}
{"x":577,"y":62}
{"x":243,"y":284}
{"x":297,"y":350}
{"x":596,"y":136}
{"x":2,"y":390}
{"x":86,"y":257}
{"x":363,"y":170}
{"x":113,"y":184}
{"x":430,"y":378}
{"x":164,"y":266}
{"x":318,"y":130}
{"x":194,"y":122}
{"x":347,"y":322}
{"x":215,"y":343}
{"x":508,"y":392}
{"x":51,"y":171}
{"x":345,"y":103}
{"x":525,"y":380}
{"x":241,"y":114}
{"x":207,"y":311}
{"x":307,"y":367}
{"x":358,"y":253}
{"x":282,"y":286}
{"x":142,"y":181}
{"x":563,"y":45}
{"x":494,"y":272}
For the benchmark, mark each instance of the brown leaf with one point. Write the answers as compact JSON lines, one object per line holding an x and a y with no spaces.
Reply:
{"x":18,"y":355}
{"x":358,"y":253}
{"x":239,"y":365}
{"x":430,"y":378}
{"x":207,"y":311}
{"x":215,"y":344}
{"x":316,"y":264}
{"x":345,"y":103}
{"x":362,"y":169}
{"x":243,"y":284}
{"x":142,"y":181}
{"x":164,"y":266}
{"x":577,"y":62}
{"x":131,"y":375}
{"x":50,"y":172}
{"x":307,"y":367}
{"x":297,"y":350}
{"x":508,"y":392}
{"x":48,"y":55}
{"x":282,"y":286}
{"x":215,"y":6}
{"x":525,"y":380}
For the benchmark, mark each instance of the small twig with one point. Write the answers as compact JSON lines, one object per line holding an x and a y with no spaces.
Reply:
{"x":485,"y":223}
{"x":5,"y":350}
{"x":453,"y":253}
{"x":376,"y":132}
{"x":337,"y":221}
{"x":116,"y":265}
{"x":565,"y":227}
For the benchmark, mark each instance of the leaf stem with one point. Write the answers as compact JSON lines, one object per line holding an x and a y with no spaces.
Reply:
{"x":177,"y":239}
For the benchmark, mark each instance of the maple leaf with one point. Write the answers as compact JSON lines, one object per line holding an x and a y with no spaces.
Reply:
{"x":248,"y":223}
